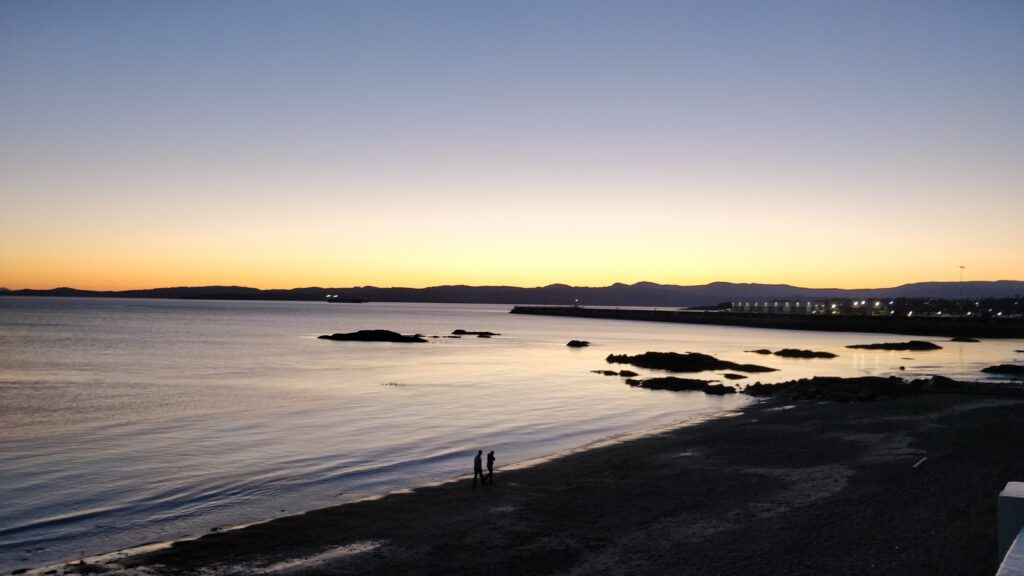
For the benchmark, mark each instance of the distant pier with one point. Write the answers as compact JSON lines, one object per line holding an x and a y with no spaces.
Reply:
{"x":921,"y":326}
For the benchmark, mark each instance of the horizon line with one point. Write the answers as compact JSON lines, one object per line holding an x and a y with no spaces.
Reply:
{"x":554,"y":284}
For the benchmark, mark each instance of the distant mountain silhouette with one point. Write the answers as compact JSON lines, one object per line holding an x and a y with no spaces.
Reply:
{"x":639,"y":294}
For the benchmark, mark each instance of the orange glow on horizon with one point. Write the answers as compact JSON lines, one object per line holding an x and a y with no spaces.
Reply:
{"x":140,"y":275}
{"x":570,"y":246}
{"x":541,"y":239}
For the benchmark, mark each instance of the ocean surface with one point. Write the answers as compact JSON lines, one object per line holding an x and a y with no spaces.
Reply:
{"x":124,"y":422}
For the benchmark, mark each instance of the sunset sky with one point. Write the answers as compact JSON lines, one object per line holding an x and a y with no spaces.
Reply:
{"x":285,"y":144}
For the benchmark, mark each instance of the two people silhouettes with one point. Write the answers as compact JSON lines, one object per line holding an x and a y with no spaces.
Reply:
{"x":478,"y":469}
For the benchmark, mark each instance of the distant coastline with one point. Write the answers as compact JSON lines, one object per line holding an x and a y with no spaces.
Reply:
{"x":639,"y":294}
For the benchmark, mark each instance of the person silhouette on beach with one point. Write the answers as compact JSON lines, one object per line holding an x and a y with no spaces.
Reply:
{"x":478,"y":469}
{"x":490,"y":467}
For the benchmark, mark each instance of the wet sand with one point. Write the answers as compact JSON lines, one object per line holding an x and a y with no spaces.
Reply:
{"x":781,"y":488}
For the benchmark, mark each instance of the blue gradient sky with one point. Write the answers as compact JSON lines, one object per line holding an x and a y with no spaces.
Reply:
{"x":418,"y":143}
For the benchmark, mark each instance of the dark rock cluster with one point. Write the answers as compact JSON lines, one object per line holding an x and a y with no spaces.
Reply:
{"x":688,"y":362}
{"x":681,"y":385}
{"x":478,"y":333}
{"x":373,"y":336}
{"x":578,"y":343}
{"x":795,"y":353}
{"x":1005,"y":369}
{"x":864,"y":388}
{"x":623,"y":373}
{"x":868,"y":388}
{"x":917,"y":345}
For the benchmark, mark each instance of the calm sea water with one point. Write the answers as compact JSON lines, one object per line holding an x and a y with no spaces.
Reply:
{"x":130,"y":421}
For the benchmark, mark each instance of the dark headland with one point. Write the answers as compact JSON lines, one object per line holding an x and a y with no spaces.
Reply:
{"x":903,"y":486}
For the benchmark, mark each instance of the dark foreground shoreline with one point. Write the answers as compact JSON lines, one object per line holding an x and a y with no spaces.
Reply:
{"x":780,"y":488}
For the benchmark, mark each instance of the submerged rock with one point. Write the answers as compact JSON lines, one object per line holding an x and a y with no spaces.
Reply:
{"x":372,"y":336}
{"x":734,"y":376}
{"x":916,"y":345}
{"x":627,"y":373}
{"x":605,"y":372}
{"x":795,"y":353}
{"x":688,"y":362}
{"x":1007,"y":369}
{"x":578,"y":343}
{"x":760,"y":351}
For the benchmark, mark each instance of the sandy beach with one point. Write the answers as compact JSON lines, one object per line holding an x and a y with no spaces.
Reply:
{"x":779,"y":488}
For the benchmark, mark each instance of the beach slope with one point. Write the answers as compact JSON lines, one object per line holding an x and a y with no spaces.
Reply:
{"x":798,"y":488}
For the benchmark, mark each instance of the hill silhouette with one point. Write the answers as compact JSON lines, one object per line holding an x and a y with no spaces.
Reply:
{"x":639,"y":294}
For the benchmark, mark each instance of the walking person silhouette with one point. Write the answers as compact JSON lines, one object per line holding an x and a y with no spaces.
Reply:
{"x":490,"y":467}
{"x":478,"y":469}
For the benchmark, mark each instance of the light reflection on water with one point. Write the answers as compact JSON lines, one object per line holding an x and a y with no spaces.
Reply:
{"x":127,"y":421}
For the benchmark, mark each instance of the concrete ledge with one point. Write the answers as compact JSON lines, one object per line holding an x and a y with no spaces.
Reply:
{"x":1013,"y":562}
{"x":1011,"y":515}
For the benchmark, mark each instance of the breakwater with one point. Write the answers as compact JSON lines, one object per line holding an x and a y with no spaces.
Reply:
{"x":924,"y":326}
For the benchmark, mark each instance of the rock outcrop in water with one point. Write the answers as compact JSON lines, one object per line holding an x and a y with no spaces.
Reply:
{"x":865,"y":388}
{"x":623,"y":373}
{"x":1005,"y":369}
{"x":578,"y":343}
{"x":688,"y":362}
{"x":916,"y":345}
{"x":372,"y":336}
{"x":964,"y":339}
{"x":869,"y":388}
{"x":795,"y":353}
{"x":681,"y":385}
{"x":480,"y":333}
